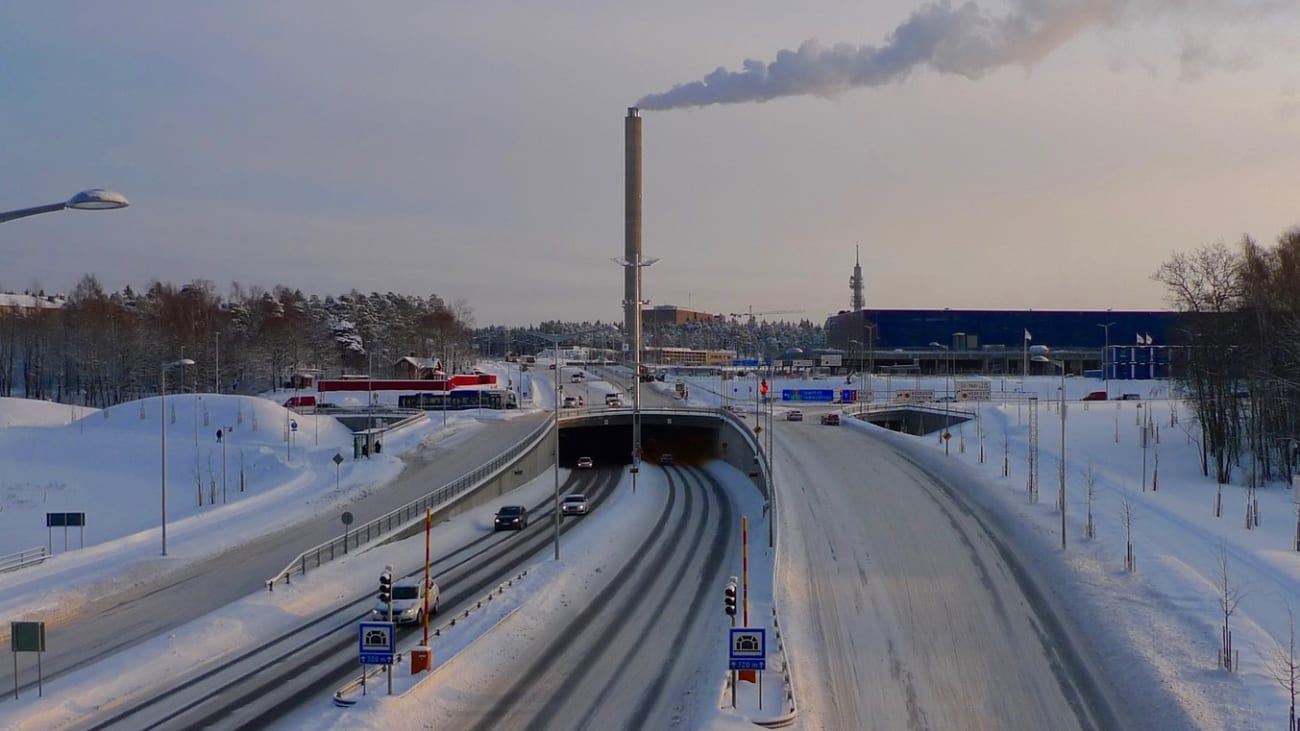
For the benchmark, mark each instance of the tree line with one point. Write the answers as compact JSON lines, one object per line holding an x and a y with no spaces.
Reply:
{"x":100,"y":348}
{"x":1240,"y":334}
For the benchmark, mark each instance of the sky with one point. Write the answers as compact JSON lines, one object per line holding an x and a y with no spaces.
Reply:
{"x":1156,"y":625}
{"x":1045,"y":154}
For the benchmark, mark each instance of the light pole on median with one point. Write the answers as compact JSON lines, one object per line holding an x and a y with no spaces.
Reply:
{"x":634,"y":340}
{"x":162,"y":420}
{"x":95,"y":199}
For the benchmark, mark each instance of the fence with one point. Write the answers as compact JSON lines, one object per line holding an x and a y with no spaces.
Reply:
{"x":317,"y":556}
{"x":28,"y":557}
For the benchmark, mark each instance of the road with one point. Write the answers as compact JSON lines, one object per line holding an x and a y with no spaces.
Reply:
{"x":268,"y":680}
{"x":903,"y":612}
{"x":170,"y":599}
{"x":597,"y":670}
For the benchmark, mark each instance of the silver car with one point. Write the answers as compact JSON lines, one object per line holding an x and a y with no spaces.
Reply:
{"x":574,"y":504}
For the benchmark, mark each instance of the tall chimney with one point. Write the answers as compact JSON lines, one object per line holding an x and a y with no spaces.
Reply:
{"x":632,"y":229}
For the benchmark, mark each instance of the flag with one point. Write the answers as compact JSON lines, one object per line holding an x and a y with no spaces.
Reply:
{"x":1141,"y":340}
{"x":1028,"y":336}
{"x":1148,"y":338}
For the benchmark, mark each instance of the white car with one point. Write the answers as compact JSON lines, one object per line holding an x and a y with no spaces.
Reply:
{"x":585,"y":463}
{"x":574,"y":504}
{"x":408,"y":602}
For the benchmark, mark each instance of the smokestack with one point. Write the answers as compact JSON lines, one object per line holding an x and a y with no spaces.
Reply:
{"x":632,"y":228}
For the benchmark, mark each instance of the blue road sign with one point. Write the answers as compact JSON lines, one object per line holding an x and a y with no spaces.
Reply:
{"x":293,"y":425}
{"x":745,"y":362}
{"x":748,"y":648}
{"x":822,"y":395}
{"x":377,"y":643}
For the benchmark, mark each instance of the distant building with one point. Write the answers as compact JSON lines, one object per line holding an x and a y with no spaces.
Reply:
{"x":689,"y":356}
{"x":11,"y":302}
{"x":663,"y":315}
{"x":1001,"y":341}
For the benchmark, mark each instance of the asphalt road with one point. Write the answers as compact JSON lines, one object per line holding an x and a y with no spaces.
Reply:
{"x":903,"y":612}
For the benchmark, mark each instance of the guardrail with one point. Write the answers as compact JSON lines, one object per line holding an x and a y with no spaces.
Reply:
{"x":20,"y":559}
{"x":328,"y":551}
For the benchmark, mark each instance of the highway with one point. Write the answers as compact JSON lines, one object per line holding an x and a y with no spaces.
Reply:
{"x":255,"y":688}
{"x":155,"y":603}
{"x":904,"y":612}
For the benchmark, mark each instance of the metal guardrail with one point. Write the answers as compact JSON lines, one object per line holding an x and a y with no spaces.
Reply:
{"x":21,"y":559}
{"x":395,"y":520}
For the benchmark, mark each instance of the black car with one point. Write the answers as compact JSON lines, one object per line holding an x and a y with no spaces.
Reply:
{"x":510,"y":517}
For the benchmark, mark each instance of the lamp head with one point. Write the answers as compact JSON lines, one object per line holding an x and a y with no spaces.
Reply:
{"x":97,"y":199}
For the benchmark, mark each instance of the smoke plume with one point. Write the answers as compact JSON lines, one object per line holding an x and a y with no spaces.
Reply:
{"x":962,"y":40}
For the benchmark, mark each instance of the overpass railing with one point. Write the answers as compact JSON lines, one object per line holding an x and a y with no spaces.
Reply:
{"x":317,"y":556}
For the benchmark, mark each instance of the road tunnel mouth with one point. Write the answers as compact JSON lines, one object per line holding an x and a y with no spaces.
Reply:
{"x":611,"y":444}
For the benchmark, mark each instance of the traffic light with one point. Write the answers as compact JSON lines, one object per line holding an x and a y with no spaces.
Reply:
{"x":762,"y":387}
{"x":729,"y":598}
{"x":386,"y":587}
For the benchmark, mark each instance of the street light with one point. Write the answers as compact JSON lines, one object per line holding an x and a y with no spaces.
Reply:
{"x":1105,"y":357}
{"x":162,"y":420}
{"x":95,"y":199}
{"x":858,"y":343}
{"x":1061,"y":495}
{"x":635,"y":338}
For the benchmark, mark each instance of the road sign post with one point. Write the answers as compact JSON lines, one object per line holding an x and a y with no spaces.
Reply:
{"x":377,"y":643}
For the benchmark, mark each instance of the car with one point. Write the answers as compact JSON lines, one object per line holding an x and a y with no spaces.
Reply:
{"x":794,"y":415}
{"x":575,"y":378}
{"x":585,"y":463}
{"x":736,"y":409}
{"x":831,"y":419}
{"x":408,"y":602}
{"x":574,"y":504}
{"x":613,"y":400}
{"x":510,"y":517}
{"x":666,"y":459}
{"x":570,"y":402}
{"x":1095,"y":396}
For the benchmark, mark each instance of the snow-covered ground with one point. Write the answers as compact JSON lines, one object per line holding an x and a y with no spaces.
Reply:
{"x":1159,"y":624}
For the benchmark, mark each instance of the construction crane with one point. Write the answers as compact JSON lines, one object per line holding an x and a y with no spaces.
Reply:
{"x":751,"y":314}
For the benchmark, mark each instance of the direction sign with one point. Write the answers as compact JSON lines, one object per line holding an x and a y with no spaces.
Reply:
{"x":377,"y":643}
{"x":748,"y":648}
{"x":745,"y":362}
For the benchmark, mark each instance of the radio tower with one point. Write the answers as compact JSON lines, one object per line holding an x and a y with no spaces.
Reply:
{"x":855,"y":282}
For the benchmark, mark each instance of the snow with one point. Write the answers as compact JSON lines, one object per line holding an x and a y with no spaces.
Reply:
{"x":1157,"y":628}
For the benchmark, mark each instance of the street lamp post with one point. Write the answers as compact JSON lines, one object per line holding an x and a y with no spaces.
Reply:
{"x":858,"y":347}
{"x":947,"y":366}
{"x":1105,"y":356}
{"x":95,"y":199}
{"x":1061,"y":493}
{"x":162,"y":420}
{"x":635,"y":342}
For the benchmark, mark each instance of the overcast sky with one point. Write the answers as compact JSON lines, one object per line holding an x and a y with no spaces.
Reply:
{"x":1043,"y":154}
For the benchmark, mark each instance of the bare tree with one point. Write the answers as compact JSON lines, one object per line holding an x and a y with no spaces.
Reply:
{"x":1090,"y":529}
{"x":1130,"y":561}
{"x":1284,"y":668}
{"x":1230,"y":595}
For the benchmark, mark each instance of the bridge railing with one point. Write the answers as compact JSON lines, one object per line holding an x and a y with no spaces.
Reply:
{"x":317,"y":556}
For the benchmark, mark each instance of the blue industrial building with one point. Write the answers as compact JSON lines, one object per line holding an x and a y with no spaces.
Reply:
{"x":1009,"y":341}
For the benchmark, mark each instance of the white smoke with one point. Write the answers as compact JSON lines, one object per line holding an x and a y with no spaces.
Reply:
{"x":964,"y":40}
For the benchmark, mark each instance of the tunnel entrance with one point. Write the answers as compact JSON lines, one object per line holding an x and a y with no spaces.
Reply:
{"x":612,"y":444}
